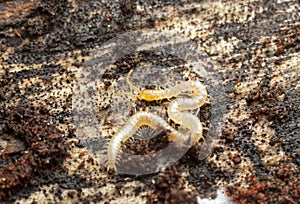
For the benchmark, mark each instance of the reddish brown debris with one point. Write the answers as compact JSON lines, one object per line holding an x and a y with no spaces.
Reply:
{"x":267,"y":191}
{"x":169,"y":189}
{"x":44,"y":143}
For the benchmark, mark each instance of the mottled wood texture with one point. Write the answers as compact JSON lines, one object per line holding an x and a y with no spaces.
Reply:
{"x":255,"y":48}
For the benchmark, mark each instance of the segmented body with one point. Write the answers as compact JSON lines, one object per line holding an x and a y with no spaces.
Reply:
{"x":177,"y":111}
{"x":131,"y":127}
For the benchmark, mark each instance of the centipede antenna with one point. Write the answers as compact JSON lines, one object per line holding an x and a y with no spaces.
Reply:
{"x":129,"y":83}
{"x":125,"y":93}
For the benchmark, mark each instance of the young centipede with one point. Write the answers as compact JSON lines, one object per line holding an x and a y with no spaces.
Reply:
{"x":177,"y":111}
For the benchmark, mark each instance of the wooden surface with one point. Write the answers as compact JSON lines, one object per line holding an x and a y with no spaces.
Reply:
{"x":253,"y":47}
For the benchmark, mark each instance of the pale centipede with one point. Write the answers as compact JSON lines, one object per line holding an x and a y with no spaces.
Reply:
{"x":133,"y":124}
{"x":177,"y":111}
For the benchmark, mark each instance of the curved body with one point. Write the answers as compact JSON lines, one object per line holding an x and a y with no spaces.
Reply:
{"x":177,"y":111}
{"x":134,"y":123}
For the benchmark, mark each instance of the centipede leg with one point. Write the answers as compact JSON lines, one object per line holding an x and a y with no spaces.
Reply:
{"x":208,"y":99}
{"x":197,"y":111}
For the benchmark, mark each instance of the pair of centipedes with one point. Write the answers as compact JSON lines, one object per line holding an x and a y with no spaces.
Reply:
{"x":177,"y":111}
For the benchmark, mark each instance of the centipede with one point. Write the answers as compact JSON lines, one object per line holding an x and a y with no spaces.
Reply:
{"x":178,"y":111}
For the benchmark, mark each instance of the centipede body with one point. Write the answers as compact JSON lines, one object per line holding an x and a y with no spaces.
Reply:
{"x":178,"y":111}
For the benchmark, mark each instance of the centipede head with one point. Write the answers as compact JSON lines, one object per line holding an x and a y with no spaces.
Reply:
{"x":148,"y":95}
